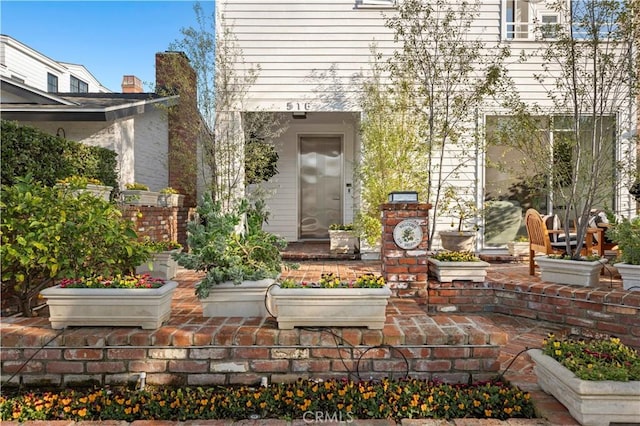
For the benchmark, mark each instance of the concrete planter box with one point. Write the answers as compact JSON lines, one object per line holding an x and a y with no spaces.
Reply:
{"x":139,"y":307}
{"x":170,"y":200}
{"x":458,"y":240}
{"x":343,"y":242}
{"x":243,"y":300}
{"x":591,"y":403}
{"x":161,"y":265}
{"x":630,"y":276}
{"x":99,"y":191}
{"x":572,"y":272}
{"x":368,"y":252}
{"x":518,"y":248}
{"x":329,"y":307}
{"x":446,"y":272}
{"x":137,"y":197}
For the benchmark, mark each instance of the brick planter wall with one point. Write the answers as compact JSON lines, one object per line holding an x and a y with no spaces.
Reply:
{"x":586,"y":312}
{"x":160,"y":223}
{"x":405,"y":270}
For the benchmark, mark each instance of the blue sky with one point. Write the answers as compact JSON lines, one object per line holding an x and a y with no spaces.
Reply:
{"x":110,"y":38}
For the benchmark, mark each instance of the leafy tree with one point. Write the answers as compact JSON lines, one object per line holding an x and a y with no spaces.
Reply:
{"x":48,"y":233}
{"x":236,"y":148}
{"x":590,"y":75}
{"x":452,"y":73}
{"x":392,"y":157}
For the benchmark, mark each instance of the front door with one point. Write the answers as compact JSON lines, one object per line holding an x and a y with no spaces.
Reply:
{"x":320,"y":185}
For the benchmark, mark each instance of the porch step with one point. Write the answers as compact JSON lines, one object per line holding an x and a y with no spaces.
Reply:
{"x":314,"y":250}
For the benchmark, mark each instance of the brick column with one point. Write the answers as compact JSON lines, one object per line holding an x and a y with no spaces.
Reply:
{"x":405,"y":269}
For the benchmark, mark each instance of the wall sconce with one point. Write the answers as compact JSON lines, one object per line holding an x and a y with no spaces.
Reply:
{"x":299,"y":115}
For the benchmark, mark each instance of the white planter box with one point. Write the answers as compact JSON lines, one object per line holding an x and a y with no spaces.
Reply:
{"x":591,"y":403}
{"x":170,"y":200}
{"x":572,"y":272}
{"x":142,"y":307}
{"x":161,"y":265}
{"x":446,"y":272}
{"x":136,"y":197}
{"x":243,"y":300}
{"x":518,"y":248}
{"x":458,"y":240}
{"x":368,"y":252}
{"x":343,"y":242}
{"x":630,"y":276}
{"x":329,"y":307}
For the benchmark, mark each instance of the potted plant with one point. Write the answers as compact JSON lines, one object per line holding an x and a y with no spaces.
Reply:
{"x":459,"y":207}
{"x":564,"y":269}
{"x":170,"y":197}
{"x":239,"y":258}
{"x":161,"y":264}
{"x":626,"y":233}
{"x":519,"y":246}
{"x":447,"y":266}
{"x":598,"y":381}
{"x":343,"y":239}
{"x":80,"y":184}
{"x":48,"y":234}
{"x":330,"y":302}
{"x":122,"y":300}
{"x":138,"y":194}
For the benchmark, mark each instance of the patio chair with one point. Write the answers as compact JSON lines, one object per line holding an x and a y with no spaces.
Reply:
{"x":553,"y":241}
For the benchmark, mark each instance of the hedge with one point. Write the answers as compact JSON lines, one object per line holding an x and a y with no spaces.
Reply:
{"x":30,"y":151}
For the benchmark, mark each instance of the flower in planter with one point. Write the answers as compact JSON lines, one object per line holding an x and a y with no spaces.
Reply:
{"x":331,"y":280}
{"x":118,"y":281}
{"x":160,"y":246}
{"x":341,"y":227}
{"x":135,"y":186}
{"x":456,"y":256}
{"x":599,"y":359}
{"x":79,"y":182}
{"x":168,"y":191}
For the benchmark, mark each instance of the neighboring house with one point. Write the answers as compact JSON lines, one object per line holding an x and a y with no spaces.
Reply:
{"x":66,"y":100}
{"x":311,"y":54}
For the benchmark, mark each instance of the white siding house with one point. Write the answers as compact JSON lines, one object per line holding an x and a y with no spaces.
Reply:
{"x":312,"y":55}
{"x":66,"y":100}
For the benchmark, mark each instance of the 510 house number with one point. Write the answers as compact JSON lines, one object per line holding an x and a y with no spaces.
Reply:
{"x":298,"y":106}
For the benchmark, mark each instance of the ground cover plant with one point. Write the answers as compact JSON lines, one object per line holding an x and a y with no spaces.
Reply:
{"x":599,"y":359}
{"x":340,"y":399}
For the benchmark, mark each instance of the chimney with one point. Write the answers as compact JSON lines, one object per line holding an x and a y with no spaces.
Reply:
{"x":131,"y":84}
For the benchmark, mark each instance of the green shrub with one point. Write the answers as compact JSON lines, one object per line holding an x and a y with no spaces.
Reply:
{"x":29,"y":151}
{"x":48,"y":234}
{"x":627,"y":234}
{"x":225,"y":254}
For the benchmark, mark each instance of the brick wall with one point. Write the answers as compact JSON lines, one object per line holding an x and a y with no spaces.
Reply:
{"x":160,"y":223}
{"x":585,"y":311}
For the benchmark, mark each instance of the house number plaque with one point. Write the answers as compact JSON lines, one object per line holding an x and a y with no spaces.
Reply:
{"x":407,"y":234}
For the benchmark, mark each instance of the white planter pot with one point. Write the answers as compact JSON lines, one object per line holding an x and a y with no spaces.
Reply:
{"x":446,"y":272}
{"x":458,"y":240}
{"x":343,"y":242}
{"x":572,"y":272}
{"x":243,"y":300}
{"x":369,"y":252}
{"x":136,"y":197}
{"x":589,"y":402}
{"x":99,"y":191}
{"x":142,"y":307}
{"x":161,"y":265}
{"x":329,"y":307}
{"x":518,"y":248}
{"x":630,"y":276}
{"x":170,"y":200}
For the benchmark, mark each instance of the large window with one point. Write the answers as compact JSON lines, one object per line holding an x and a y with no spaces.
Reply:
{"x":514,"y":180}
{"x":52,"y":83}
{"x":78,"y":86}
